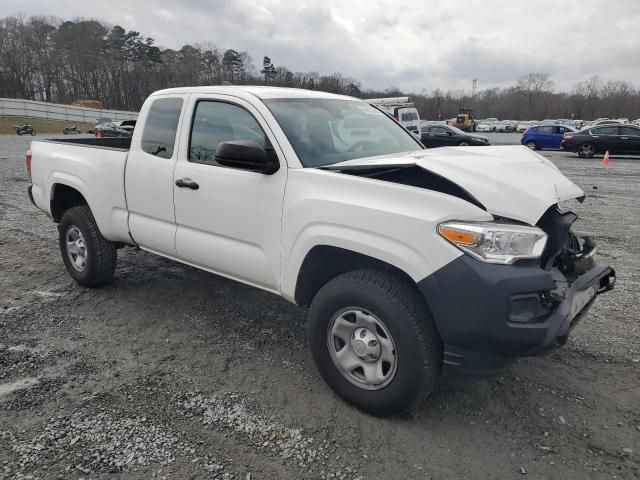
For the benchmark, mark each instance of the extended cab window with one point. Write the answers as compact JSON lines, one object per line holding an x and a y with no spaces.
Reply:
{"x":159,"y":136}
{"x":216,"y":122}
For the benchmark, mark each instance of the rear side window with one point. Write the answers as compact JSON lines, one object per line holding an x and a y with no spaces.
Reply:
{"x":546,"y":129}
{"x":159,"y":136}
{"x":629,"y":131}
{"x":605,"y":131}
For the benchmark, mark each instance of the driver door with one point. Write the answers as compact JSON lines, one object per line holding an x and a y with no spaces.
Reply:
{"x":228,"y":219}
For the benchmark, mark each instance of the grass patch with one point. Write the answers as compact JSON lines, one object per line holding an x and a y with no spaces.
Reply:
{"x":42,"y":125}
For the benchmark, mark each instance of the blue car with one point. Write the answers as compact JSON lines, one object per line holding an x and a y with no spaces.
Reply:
{"x":545,"y":137}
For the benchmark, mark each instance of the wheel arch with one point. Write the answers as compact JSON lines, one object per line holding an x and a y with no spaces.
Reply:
{"x":324,"y":262}
{"x":64,"y":197}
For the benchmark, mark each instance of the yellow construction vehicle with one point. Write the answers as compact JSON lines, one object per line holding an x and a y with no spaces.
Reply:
{"x":465,"y":121}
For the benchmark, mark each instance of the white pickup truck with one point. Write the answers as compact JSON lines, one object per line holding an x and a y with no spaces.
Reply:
{"x":408,"y":258}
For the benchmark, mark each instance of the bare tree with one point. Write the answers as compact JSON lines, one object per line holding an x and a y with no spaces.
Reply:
{"x":59,"y":61}
{"x":535,"y":87}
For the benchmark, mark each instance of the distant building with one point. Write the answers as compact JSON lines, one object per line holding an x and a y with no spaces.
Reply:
{"x":88,"y":104}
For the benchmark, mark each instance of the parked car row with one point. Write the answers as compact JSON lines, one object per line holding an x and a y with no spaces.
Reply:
{"x":615,"y":138}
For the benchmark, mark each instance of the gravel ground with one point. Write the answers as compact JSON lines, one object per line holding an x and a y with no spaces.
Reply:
{"x":175,"y":373}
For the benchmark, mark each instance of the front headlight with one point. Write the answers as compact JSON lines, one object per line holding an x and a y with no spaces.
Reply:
{"x":495,"y":242}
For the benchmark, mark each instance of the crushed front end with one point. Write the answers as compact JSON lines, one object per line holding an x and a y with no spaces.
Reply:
{"x":489,"y":314}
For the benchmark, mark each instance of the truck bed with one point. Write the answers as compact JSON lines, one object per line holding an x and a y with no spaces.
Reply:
{"x":94,"y":167}
{"x":113,"y":143}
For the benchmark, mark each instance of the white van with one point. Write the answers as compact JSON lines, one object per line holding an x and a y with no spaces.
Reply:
{"x":401,"y":109}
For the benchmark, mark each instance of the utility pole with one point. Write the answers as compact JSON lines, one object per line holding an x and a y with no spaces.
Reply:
{"x":474,"y":87}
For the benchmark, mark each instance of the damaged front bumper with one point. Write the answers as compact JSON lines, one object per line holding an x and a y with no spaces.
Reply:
{"x":578,"y":299}
{"x":489,"y":314}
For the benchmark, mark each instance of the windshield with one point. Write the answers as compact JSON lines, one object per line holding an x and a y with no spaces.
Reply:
{"x":328,"y":131}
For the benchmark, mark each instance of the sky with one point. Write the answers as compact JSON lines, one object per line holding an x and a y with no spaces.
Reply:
{"x":412,"y":45}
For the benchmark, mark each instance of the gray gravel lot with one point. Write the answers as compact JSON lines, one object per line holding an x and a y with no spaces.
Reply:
{"x":171,"y":372}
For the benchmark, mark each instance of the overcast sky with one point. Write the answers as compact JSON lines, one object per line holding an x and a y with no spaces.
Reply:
{"x":409,"y":44}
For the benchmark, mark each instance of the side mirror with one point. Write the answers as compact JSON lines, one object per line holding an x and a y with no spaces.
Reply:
{"x":449,"y":133}
{"x":247,"y":155}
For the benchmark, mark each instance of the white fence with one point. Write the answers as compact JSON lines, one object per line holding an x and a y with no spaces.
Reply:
{"x":31,"y":108}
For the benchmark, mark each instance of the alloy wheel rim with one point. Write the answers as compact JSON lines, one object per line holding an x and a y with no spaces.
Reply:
{"x":76,"y":248}
{"x":362,"y":348}
{"x":586,"y":149}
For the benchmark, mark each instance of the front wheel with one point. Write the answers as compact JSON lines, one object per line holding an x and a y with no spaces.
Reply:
{"x":463,"y":143}
{"x":89,"y":258}
{"x":586,"y":150}
{"x":374,"y":342}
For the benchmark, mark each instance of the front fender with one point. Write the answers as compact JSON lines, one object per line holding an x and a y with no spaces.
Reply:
{"x":389,"y":250}
{"x":393,"y":223}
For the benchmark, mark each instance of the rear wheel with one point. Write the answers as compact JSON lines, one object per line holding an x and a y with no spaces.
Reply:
{"x":374,"y":342}
{"x":89,"y":258}
{"x":586,"y":150}
{"x":532,"y":145}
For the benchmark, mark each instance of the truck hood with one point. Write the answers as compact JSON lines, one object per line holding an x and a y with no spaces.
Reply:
{"x":508,"y":181}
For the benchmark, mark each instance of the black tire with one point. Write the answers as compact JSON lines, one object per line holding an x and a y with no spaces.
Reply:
{"x":418,"y":347}
{"x":33,"y":133}
{"x":586,"y":150}
{"x":101,"y":254}
{"x":463,"y":143}
{"x":19,"y":133}
{"x":532,"y":145}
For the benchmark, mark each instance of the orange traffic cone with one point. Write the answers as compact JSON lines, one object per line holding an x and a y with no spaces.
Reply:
{"x":605,"y":160}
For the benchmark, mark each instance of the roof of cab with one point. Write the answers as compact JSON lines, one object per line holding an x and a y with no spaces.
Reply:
{"x":256,"y":91}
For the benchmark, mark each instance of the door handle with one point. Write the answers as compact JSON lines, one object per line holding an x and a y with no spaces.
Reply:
{"x":187,"y":183}
{"x":624,"y":138}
